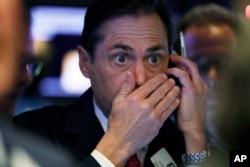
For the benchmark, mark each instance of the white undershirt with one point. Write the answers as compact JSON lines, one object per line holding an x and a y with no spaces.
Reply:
{"x":99,"y":157}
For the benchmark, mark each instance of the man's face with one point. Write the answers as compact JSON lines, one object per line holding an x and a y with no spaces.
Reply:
{"x":13,"y":57}
{"x":209,"y":46}
{"x":136,"y":44}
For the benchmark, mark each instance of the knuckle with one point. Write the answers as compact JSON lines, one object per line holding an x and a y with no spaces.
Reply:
{"x":162,"y":91}
{"x":133,"y":100}
{"x":145,"y":106}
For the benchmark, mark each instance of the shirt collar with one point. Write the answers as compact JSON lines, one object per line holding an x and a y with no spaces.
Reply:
{"x":100,"y":116}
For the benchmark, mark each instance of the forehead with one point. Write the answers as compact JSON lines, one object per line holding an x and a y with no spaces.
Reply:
{"x":13,"y":31}
{"x":135,"y":28}
{"x":210,"y":39}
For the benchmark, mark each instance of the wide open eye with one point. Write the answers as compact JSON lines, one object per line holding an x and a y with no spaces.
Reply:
{"x":154,"y":59}
{"x":121,"y":59}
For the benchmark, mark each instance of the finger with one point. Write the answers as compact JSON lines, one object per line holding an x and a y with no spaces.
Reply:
{"x":127,"y":87}
{"x":173,"y":106}
{"x":173,"y":61}
{"x":187,"y":65}
{"x":182,"y":76}
{"x":166,"y":102}
{"x":151,"y":85}
{"x":174,"y":53}
{"x":160,"y":92}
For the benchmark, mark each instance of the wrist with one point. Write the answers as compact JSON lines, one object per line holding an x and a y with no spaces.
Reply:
{"x":195,"y":142}
{"x":196,"y":159}
{"x":116,"y":152}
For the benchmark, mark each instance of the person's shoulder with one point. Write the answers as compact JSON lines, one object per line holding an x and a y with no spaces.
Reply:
{"x":39,"y":113}
{"x":33,"y":149}
{"x":54,"y":116}
{"x":54,"y":109}
{"x":39,"y":119}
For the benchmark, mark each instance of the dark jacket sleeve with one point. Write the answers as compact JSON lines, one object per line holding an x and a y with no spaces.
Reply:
{"x":40,"y":121}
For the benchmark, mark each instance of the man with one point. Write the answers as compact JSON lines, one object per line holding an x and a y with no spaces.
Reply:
{"x":210,"y":33}
{"x":13,"y":67}
{"x":125,"y":54}
{"x":19,"y":148}
{"x":233,"y":119}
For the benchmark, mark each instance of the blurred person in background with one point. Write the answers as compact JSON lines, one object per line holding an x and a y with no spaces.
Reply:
{"x":210,"y":33}
{"x":233,"y":118}
{"x":19,"y":148}
{"x":15,"y":54}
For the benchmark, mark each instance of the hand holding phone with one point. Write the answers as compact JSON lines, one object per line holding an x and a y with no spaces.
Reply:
{"x":182,"y":49}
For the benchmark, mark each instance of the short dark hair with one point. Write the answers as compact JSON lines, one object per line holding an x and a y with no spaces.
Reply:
{"x":104,"y":10}
{"x":213,"y":13}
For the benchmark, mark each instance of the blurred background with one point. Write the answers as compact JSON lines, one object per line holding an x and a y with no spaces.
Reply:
{"x":56,"y":28}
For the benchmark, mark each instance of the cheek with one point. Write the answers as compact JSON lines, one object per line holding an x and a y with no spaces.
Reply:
{"x":106,"y":79}
{"x":106,"y":87}
{"x":9,"y":77}
{"x":163,"y":67}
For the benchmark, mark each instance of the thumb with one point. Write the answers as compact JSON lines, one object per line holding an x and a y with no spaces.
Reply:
{"x":127,"y":86}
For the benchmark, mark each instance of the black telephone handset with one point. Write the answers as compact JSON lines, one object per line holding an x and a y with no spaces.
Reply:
{"x":180,"y":48}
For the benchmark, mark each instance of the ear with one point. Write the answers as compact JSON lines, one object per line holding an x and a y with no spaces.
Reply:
{"x":84,"y":61}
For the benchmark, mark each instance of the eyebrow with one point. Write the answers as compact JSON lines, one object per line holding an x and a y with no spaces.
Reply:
{"x":156,"y":48}
{"x":121,"y":46}
{"x":128,"y":48}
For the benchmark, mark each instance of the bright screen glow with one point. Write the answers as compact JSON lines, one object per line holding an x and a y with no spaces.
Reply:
{"x":63,"y":77}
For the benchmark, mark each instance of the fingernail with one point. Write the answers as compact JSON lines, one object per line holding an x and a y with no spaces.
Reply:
{"x":164,"y":76}
{"x":172,"y":81}
{"x":174,"y":52}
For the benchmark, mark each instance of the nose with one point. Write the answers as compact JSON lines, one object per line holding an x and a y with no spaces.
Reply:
{"x":212,"y":78}
{"x":213,"y":73}
{"x":140,"y":73}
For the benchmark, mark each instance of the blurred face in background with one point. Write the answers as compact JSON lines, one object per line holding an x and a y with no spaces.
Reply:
{"x":210,"y":46}
{"x":14,"y":53}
